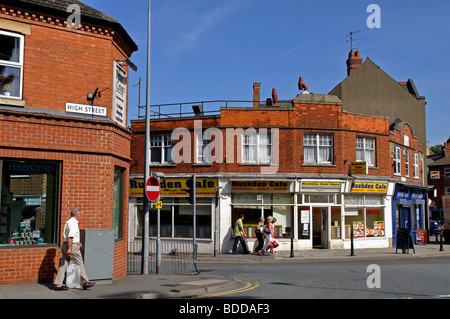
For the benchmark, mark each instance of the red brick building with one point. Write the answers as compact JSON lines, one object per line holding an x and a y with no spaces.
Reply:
{"x":298,"y":160}
{"x":439,"y":177}
{"x":59,"y":150}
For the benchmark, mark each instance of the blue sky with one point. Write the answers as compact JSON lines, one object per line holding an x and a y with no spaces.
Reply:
{"x":215,"y":50}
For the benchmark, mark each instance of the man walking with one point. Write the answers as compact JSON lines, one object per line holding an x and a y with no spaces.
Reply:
{"x":71,"y":251}
{"x":238,"y":235}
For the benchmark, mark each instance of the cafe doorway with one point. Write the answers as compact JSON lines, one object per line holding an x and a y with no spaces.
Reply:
{"x":320,"y":227}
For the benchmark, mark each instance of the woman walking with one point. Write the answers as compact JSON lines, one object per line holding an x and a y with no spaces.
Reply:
{"x":260,"y":234}
{"x":269,"y":234}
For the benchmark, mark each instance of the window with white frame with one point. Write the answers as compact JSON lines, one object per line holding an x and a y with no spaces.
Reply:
{"x":318,"y":148}
{"x":397,"y":161}
{"x":256,"y":147}
{"x":203,"y":149}
{"x":11,"y":64}
{"x":407,"y":163}
{"x":446,"y":172}
{"x":161,"y":149}
{"x":416,"y":165}
{"x":365,"y":150}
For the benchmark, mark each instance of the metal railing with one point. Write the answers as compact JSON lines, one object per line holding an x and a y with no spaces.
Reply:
{"x":186,"y":109}
{"x":177,"y":257}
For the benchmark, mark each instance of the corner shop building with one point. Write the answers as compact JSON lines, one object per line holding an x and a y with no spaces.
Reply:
{"x":53,"y":157}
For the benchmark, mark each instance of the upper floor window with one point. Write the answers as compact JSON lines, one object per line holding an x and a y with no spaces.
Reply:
{"x":416,"y":165}
{"x":11,"y":64}
{"x":257,"y":147}
{"x":161,"y":149}
{"x":365,"y":150}
{"x":446,"y":172}
{"x":407,"y":163}
{"x":397,"y":161}
{"x":318,"y":148}
{"x":203,"y":148}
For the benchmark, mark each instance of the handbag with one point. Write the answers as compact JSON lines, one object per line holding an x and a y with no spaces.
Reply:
{"x":273,"y":244}
{"x":266,"y":230}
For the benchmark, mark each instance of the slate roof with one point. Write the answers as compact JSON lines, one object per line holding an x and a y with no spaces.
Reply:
{"x":63,"y":4}
{"x":443,"y":161}
{"x":87,"y":13}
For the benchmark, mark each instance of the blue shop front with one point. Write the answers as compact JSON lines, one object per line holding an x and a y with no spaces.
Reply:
{"x":409,"y":211}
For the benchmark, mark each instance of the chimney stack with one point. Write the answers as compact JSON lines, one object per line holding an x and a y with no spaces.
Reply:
{"x":256,"y":94}
{"x":447,"y":148}
{"x":353,"y":62}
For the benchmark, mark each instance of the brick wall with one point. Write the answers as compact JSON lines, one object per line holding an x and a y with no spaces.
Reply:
{"x":64,"y":65}
{"x":292,"y":123}
{"x":89,"y":152}
{"x":397,"y":139}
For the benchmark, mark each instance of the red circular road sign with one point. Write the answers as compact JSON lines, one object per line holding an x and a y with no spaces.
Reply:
{"x":152,"y":188}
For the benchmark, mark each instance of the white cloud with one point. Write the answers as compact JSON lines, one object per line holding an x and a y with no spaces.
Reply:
{"x":202,"y":23}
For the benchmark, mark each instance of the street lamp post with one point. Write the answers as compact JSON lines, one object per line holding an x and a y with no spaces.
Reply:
{"x":145,"y":235}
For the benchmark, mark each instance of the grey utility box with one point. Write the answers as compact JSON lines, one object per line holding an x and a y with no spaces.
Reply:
{"x":98,"y":253}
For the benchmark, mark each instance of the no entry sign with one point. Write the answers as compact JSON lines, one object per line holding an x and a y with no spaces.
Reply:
{"x":152,"y":188}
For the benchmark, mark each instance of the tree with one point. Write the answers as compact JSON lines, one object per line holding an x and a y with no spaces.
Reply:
{"x":437,"y":149}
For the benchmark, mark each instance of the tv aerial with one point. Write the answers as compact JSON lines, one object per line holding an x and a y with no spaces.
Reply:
{"x":351,"y":38}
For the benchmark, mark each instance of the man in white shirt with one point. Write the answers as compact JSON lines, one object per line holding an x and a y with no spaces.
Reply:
{"x":71,"y":251}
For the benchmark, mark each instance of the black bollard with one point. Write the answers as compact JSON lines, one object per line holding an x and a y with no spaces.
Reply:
{"x":292,"y":247}
{"x":352,"y":252}
{"x":442,"y":246}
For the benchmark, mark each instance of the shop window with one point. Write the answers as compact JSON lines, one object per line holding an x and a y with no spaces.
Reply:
{"x":118,"y":203}
{"x":254,"y":206}
{"x":365,"y":150}
{"x":318,"y":148}
{"x":161,"y":149}
{"x":364,"y":222}
{"x":176,"y":219}
{"x":304,"y":219}
{"x":319,"y":199}
{"x":11,"y":64}
{"x":29,"y":202}
{"x":335,"y":223}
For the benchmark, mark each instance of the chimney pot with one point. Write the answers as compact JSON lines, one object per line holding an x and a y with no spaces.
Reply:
{"x":275,"y":97}
{"x":302,"y":85}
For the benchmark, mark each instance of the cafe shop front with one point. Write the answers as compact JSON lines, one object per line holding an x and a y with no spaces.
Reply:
{"x":176,"y":214}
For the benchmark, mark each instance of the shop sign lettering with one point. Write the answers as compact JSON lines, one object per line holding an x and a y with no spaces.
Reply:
{"x":260,"y":186}
{"x":30,"y":168}
{"x":362,"y":187}
{"x":176,"y":187}
{"x":322,"y":184}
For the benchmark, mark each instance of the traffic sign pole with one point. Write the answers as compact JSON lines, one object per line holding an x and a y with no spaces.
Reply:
{"x":158,"y":241}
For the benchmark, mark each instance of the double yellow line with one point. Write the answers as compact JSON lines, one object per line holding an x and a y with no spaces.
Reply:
{"x":249,"y":285}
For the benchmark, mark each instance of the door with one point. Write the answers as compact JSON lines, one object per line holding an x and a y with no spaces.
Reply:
{"x":324,"y":230}
{"x":320,"y":227}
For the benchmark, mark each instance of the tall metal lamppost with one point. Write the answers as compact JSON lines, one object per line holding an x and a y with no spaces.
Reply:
{"x":145,"y":235}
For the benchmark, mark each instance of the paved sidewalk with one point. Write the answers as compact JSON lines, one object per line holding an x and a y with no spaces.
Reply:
{"x":175,"y":286}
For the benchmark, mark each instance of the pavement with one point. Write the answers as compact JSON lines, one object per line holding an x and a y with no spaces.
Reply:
{"x":204,"y":285}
